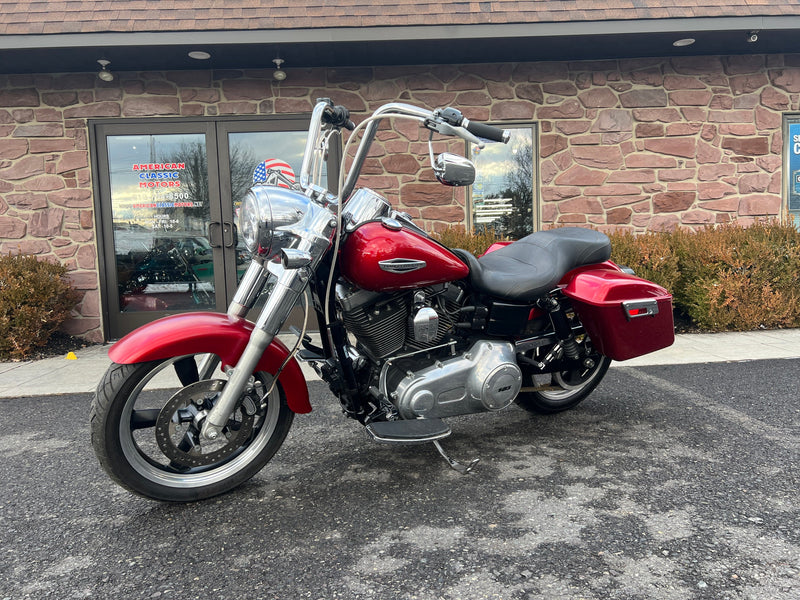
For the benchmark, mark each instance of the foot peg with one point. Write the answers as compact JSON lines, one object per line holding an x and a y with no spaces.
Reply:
{"x":417,"y":431}
{"x":454,"y":463}
{"x":412,"y":431}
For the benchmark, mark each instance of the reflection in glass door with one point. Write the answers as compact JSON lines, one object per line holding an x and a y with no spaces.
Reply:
{"x":253,"y":154}
{"x":160,"y":211}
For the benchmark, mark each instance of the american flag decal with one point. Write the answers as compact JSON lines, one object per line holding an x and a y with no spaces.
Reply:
{"x":267,"y":172}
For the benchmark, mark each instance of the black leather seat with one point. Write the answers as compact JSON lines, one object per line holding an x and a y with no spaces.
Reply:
{"x":533,"y":266}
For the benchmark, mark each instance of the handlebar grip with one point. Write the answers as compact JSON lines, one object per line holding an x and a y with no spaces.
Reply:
{"x":487,"y":132}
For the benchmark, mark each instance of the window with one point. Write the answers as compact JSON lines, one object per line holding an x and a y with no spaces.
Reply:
{"x":160,"y":208}
{"x":503,"y":196}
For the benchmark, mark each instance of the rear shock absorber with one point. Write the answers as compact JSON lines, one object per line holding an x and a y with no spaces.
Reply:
{"x":561,"y":326}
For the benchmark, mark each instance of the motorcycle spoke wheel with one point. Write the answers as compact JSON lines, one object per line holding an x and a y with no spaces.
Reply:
{"x":146,"y":425}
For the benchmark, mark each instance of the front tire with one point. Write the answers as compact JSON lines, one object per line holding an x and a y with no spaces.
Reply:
{"x":145,"y":424}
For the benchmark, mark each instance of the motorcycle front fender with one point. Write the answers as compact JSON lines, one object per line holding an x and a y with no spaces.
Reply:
{"x":216,"y":333}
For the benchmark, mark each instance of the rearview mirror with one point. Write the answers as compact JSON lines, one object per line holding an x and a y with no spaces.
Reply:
{"x":454,"y":170}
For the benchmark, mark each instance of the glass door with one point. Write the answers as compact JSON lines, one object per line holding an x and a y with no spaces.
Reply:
{"x":248,"y":150}
{"x":168,"y":198}
{"x":159,"y":201}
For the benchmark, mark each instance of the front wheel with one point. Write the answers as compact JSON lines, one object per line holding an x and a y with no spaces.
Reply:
{"x":565,"y":390}
{"x":145,"y":425}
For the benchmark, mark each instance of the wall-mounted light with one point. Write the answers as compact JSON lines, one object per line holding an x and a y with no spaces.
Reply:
{"x":752,"y":37}
{"x":199,"y":55}
{"x":279,"y":73}
{"x":683,"y":42}
{"x":104,"y":74}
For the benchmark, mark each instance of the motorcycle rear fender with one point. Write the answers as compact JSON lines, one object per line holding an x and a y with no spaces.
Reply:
{"x":201,"y":332}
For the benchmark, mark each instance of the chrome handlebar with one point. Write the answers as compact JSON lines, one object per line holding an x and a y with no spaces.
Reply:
{"x":448,"y":121}
{"x":391,"y":109}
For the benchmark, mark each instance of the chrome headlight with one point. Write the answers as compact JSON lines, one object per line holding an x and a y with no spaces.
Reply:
{"x":267,"y":214}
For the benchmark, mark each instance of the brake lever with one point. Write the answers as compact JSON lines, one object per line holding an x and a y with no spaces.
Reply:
{"x":470,"y":137}
{"x":447,"y":129}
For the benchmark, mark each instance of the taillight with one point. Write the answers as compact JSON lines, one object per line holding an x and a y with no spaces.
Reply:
{"x":640,"y":308}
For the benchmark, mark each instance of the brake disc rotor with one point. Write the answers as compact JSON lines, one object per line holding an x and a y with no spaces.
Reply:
{"x":179,"y":422}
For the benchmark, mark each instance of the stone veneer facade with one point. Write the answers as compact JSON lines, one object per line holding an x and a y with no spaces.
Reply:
{"x":644,"y":144}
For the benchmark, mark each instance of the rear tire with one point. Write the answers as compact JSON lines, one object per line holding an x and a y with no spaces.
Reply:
{"x":134,"y":418}
{"x":574,"y":388}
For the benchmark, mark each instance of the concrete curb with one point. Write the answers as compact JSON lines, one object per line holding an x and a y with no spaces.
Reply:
{"x":59,"y":375}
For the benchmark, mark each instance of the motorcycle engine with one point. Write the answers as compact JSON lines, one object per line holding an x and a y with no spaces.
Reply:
{"x":404,"y":335}
{"x":484,"y":378}
{"x":386,"y":323}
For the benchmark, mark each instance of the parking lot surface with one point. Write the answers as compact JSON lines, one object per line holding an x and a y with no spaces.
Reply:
{"x":671,"y":482}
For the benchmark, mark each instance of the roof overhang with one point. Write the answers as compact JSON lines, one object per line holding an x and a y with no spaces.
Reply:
{"x":380,"y":46}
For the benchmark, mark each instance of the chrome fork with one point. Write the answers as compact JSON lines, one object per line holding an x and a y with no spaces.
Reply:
{"x":314,"y":235}
{"x":290,"y":285}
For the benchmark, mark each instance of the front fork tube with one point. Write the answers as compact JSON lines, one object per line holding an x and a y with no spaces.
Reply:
{"x":290,"y":285}
{"x":248,"y":290}
{"x":246,"y":295}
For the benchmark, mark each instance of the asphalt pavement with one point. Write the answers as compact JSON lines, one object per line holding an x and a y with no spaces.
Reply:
{"x":672,"y":481}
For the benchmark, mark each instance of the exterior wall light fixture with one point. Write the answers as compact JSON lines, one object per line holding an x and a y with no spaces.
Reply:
{"x":279,"y":73}
{"x":104,"y":74}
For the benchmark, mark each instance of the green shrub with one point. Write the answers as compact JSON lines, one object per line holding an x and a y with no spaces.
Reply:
{"x":724,"y":278}
{"x":736,"y":279}
{"x":476,"y":243}
{"x":650,"y":255}
{"x":734,"y":302}
{"x":34,"y":300}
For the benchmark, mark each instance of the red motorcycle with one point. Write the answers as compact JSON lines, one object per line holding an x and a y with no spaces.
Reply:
{"x":411,"y":332}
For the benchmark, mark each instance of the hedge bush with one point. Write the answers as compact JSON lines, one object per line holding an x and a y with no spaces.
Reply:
{"x":723,"y":278}
{"x":34,"y":300}
{"x":475,"y":243}
{"x":650,"y":255}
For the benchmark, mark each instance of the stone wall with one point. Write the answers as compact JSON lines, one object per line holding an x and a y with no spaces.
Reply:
{"x":646,"y":144}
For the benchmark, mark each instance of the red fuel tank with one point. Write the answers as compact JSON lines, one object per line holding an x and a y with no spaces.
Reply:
{"x":378,"y":258}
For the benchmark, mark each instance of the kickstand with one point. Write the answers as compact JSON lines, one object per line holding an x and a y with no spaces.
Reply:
{"x":454,"y":463}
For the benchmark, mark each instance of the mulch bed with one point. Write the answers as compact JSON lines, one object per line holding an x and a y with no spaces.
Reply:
{"x":59,"y":344}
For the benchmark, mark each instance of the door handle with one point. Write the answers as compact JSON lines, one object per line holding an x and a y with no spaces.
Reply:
{"x":215,"y":234}
{"x":229,"y":234}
